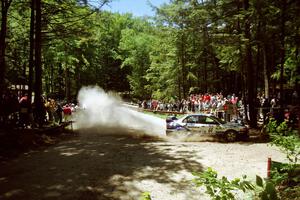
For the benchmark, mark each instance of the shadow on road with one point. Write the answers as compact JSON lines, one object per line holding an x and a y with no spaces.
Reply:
{"x":91,"y":166}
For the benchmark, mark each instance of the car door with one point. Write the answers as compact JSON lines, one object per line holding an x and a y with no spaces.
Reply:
{"x":211,"y":124}
{"x":202,"y":125}
{"x":190,"y":122}
{"x":195,"y":123}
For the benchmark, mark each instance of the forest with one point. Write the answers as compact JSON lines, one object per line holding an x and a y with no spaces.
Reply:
{"x":244,"y":47}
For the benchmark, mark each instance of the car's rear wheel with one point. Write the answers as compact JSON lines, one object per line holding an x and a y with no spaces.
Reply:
{"x":231,"y":136}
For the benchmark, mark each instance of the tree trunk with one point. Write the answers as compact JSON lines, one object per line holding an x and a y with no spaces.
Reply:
{"x":250,"y":72}
{"x":51,"y":78}
{"x":205,"y":75}
{"x":31,"y":54}
{"x":262,"y":39}
{"x":68,"y":84}
{"x":282,"y":50}
{"x":60,"y":81}
{"x":38,"y":64}
{"x":4,"y":11}
{"x":265,"y":73}
{"x":297,"y":85}
{"x":77,"y":75}
{"x":179,"y":86}
{"x":183,"y":71}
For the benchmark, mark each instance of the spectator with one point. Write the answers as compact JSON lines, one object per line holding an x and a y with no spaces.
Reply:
{"x":228,"y":110}
{"x":273,"y":104}
{"x":24,"y":105}
{"x":50,"y":108}
{"x":59,"y":112}
{"x":67,"y":112}
{"x":234,"y":101}
{"x":220,"y":109}
{"x":265,"y":109}
{"x":144,"y":104}
{"x":40,"y":111}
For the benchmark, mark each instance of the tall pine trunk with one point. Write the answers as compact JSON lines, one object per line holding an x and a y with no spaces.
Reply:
{"x":68,"y":84}
{"x":262,"y":45}
{"x":250,"y":71}
{"x":4,"y":11}
{"x":205,"y":75}
{"x":38,"y":64}
{"x":182,"y":64}
{"x":265,"y":73}
{"x":31,"y":53}
{"x":282,"y":50}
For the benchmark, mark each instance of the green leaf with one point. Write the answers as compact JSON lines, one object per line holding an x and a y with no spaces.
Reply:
{"x":146,"y":196}
{"x":259,"y":181}
{"x":270,"y":189}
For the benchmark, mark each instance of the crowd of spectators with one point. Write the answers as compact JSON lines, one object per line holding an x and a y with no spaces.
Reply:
{"x":270,"y":107}
{"x":227,"y":107}
{"x":18,"y":111}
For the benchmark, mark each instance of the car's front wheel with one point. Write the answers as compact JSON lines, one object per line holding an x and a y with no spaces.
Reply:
{"x":231,"y":136}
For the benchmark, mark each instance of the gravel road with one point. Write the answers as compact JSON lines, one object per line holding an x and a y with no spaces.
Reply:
{"x":91,"y":166}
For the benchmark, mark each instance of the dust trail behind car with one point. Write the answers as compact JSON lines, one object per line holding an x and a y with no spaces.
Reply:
{"x":104,"y":113}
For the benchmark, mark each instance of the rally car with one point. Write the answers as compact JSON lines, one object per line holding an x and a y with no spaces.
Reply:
{"x":207,"y":125}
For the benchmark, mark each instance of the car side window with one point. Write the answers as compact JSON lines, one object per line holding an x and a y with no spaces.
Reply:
{"x":202,"y":119}
{"x":191,"y":119}
{"x":209,"y":120}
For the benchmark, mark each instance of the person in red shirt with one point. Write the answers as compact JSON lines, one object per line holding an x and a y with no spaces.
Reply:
{"x":67,"y":112}
{"x":206,"y":98}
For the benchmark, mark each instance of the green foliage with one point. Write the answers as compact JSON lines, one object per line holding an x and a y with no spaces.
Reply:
{"x":146,"y":196}
{"x":221,"y":188}
{"x":289,"y":142}
{"x":229,"y":57}
{"x":135,"y":47}
{"x":280,"y":174}
{"x":286,"y":139}
{"x":188,"y":44}
{"x":291,"y":72}
{"x":266,"y":189}
{"x":163,"y":72}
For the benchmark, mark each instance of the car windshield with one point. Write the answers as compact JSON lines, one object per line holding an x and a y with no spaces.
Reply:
{"x":218,"y":120}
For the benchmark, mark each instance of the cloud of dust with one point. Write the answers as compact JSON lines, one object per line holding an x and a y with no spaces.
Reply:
{"x":105,"y":113}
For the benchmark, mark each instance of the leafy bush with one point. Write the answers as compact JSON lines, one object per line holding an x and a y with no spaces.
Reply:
{"x":266,"y":189}
{"x":221,"y":188}
{"x":285,"y":175}
{"x":146,"y":196}
{"x":286,"y":139}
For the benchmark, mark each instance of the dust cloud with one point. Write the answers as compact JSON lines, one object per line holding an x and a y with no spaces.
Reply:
{"x":105,"y":113}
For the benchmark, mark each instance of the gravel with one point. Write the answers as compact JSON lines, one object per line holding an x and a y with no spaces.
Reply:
{"x":94,"y":166}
